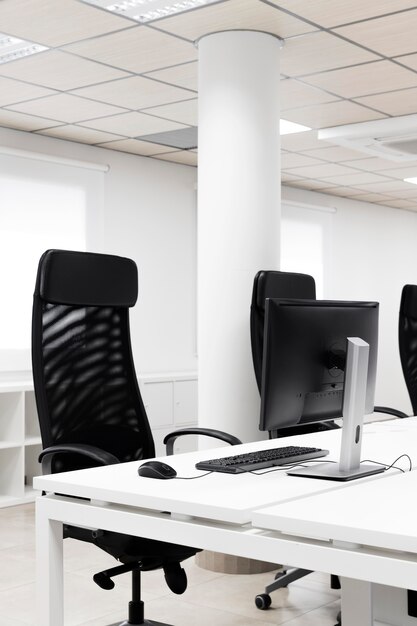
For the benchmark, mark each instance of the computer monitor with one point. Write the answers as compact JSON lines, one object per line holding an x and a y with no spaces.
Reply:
{"x":320,"y":364}
{"x":304,"y":359}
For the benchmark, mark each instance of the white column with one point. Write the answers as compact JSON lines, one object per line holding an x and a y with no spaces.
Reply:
{"x":238,"y":216}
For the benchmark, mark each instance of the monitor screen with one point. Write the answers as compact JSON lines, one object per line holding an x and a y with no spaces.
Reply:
{"x":304,"y":359}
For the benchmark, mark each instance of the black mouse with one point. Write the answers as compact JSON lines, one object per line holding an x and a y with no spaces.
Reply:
{"x":156,"y":469}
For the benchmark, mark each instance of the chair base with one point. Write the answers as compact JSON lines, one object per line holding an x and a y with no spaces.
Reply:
{"x":146,"y":622}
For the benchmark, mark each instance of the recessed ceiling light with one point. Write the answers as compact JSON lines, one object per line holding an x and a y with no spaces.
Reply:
{"x":411,"y":180}
{"x":12,"y":48}
{"x":148,"y":10}
{"x":287,"y":128}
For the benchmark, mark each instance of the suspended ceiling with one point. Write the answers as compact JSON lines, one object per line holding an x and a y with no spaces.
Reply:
{"x":106,"y":80}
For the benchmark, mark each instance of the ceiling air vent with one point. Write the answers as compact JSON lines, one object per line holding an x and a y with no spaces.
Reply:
{"x":393,"y":138}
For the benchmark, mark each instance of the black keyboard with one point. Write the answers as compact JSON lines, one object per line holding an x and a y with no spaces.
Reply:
{"x":261,"y":459}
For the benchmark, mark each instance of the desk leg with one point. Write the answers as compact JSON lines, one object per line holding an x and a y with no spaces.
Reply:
{"x":356,"y":602}
{"x":49,"y":568}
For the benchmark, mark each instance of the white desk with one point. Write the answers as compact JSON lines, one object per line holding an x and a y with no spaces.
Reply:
{"x":368,"y":532}
{"x":212,"y":513}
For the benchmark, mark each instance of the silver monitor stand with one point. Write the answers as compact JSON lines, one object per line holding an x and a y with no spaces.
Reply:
{"x":354,"y":401}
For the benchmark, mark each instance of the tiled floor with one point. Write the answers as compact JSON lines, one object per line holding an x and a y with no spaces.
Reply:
{"x":211,"y":598}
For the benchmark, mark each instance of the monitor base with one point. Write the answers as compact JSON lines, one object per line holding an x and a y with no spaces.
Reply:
{"x":332,"y":471}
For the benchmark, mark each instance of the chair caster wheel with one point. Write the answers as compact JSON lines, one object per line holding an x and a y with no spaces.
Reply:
{"x":263,"y":601}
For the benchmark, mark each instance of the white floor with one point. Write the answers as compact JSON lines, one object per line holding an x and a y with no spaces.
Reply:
{"x":211,"y":598}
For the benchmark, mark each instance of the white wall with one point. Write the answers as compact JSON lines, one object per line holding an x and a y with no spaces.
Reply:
{"x":373,"y":254}
{"x":148,"y":215}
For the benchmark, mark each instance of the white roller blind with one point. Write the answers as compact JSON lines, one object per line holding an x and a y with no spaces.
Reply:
{"x":42,"y":205}
{"x":306,"y":241}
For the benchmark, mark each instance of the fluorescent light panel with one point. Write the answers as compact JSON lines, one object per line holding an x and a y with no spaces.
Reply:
{"x":288,"y":128}
{"x":12,"y":48}
{"x":144,"y":11}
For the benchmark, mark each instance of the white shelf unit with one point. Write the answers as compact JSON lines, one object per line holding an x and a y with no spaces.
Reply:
{"x":170,"y":401}
{"x":20,"y":441}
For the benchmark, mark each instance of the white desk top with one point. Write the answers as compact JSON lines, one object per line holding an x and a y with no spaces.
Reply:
{"x":225,"y":497}
{"x":387,"y":519}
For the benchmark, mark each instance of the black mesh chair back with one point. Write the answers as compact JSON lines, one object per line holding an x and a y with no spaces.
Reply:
{"x":273,"y":284}
{"x":85,"y":382}
{"x":407,"y":339}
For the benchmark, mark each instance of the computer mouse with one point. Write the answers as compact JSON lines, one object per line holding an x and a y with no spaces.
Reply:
{"x":156,"y":469}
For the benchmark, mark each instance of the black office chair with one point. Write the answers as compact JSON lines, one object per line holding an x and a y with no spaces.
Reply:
{"x":275,"y":284}
{"x":88,"y":401}
{"x":407,"y":339}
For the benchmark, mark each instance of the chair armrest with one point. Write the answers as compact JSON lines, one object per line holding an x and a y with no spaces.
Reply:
{"x":95,"y":454}
{"x":390,"y":411}
{"x":170,"y":439}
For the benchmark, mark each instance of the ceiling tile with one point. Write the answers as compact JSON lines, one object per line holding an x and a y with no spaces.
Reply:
{"x":295,"y":94}
{"x":345,"y":192}
{"x":373,"y":197}
{"x":331,"y":114}
{"x":132,"y":124}
{"x":387,"y":187}
{"x":402,"y":204}
{"x":55,"y":23}
{"x":362,"y":80}
{"x":12,"y":91}
{"x":322,"y":170}
{"x":391,"y":35}
{"x":293,"y":159}
{"x":401,"y":171}
{"x":185,"y":157}
{"x":135,"y":146}
{"x":71,"y":132}
{"x":234,"y":15}
{"x":329,"y":13}
{"x":20,"y":121}
{"x":59,"y":70}
{"x":297,"y":142}
{"x":372,"y":164}
{"x":135,"y":92}
{"x":130,"y":50}
{"x":318,"y":52}
{"x":183,"y":112}
{"x":410,"y":60}
{"x":335,"y":154}
{"x":286,"y":177}
{"x":309,"y":183}
{"x":394,"y":103}
{"x":185,"y":75}
{"x":66,"y":108}
{"x":360,"y":178}
{"x":407,"y":193}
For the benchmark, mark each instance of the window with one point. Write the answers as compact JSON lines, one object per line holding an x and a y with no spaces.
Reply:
{"x":43,"y":205}
{"x":305,"y":243}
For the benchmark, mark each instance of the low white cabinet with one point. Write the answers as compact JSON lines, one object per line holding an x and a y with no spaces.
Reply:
{"x":170,"y":401}
{"x":20,"y":441}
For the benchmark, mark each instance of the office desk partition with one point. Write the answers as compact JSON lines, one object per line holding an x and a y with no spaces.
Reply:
{"x":213,"y":512}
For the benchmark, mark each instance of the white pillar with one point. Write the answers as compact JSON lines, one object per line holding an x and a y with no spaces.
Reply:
{"x":238,"y":216}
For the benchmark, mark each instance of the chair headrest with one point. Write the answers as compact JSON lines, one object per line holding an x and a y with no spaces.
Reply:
{"x":408,"y":306}
{"x":274,"y":284}
{"x":86,"y":279}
